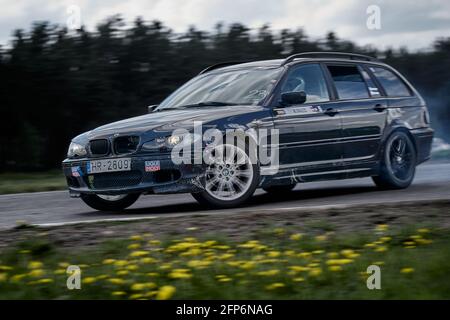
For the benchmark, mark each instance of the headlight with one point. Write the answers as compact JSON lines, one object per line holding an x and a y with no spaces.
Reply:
{"x":76,"y":149}
{"x":171,"y":141}
{"x":174,"y":140}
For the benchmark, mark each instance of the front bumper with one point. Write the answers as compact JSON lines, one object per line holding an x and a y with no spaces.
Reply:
{"x":170,"y":178}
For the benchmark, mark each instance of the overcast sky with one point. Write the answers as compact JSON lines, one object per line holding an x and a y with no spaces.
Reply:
{"x":414,"y":24}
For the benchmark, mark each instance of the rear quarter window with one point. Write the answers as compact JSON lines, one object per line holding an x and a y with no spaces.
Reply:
{"x":391,"y":83}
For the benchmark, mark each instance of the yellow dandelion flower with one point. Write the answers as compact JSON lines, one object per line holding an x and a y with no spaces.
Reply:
{"x":165,"y":292}
{"x":199,"y":264}
{"x":273,"y":254}
{"x":118,"y":293}
{"x":147,"y":260}
{"x":369,"y":245}
{"x":35,"y":265}
{"x":89,"y":280}
{"x":63,"y":264}
{"x":191,"y":228}
{"x":132,"y":267}
{"x":296,"y":236}
{"x":117,"y":281}
{"x":380,"y":249}
{"x":423,"y":230}
{"x":226,"y":256}
{"x":122,"y":272}
{"x":298,"y":268}
{"x":139,"y":253}
{"x":275,"y":286}
{"x":180,"y":274}
{"x":313,"y":265}
{"x":109,"y":261}
{"x":381,"y":227}
{"x":248,"y":265}
{"x":152,"y":274}
{"x":298,"y":279}
{"x":335,"y":268}
{"x":409,"y":243}
{"x":304,"y":254}
{"x":138,"y":286}
{"x":318,"y":251}
{"x":120,"y":263}
{"x":225,"y":279}
{"x":134,"y":246}
{"x":407,"y":270}
{"x":385,"y":239}
{"x":136,"y":296}
{"x":315,"y":272}
{"x":410,"y":247}
{"x":154,"y":242}
{"x":136,"y":237}
{"x":36,"y":273}
{"x":321,"y":238}
{"x":378,"y":263}
{"x":18,"y":277}
{"x":44,"y":281}
{"x":3,"y":277}
{"x":268,"y":273}
{"x":5,"y":268}
{"x":60,"y":271}
{"x":332,"y":255}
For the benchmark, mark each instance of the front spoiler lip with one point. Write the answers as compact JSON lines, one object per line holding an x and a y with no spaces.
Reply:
{"x":190,"y":180}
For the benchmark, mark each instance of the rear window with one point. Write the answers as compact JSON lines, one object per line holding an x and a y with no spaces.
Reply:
{"x":393,"y":85}
{"x":348,"y":82}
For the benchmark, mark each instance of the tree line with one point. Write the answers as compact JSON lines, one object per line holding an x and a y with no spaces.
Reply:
{"x":57,"y":83}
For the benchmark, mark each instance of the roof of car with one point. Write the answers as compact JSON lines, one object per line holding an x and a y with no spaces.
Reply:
{"x":305,"y":56}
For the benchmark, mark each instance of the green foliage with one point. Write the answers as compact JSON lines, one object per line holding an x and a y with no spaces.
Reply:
{"x":57,"y":84}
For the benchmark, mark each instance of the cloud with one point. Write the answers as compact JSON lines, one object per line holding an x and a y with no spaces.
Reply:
{"x":403,"y":22}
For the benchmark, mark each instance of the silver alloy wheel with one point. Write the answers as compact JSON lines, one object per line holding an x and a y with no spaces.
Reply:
{"x":230,"y":174}
{"x":111,"y":197}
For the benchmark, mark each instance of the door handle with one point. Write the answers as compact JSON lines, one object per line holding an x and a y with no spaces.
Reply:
{"x":331,"y":112}
{"x":379,"y":107}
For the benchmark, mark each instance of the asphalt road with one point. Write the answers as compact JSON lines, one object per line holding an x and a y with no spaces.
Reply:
{"x":47,"y":208}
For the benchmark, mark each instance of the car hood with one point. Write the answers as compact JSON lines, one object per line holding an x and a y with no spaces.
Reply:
{"x":171,"y":119}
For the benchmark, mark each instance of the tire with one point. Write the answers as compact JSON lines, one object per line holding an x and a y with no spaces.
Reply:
{"x":242,"y":181}
{"x":398,"y":162}
{"x":281,"y":189}
{"x":102,"y":203}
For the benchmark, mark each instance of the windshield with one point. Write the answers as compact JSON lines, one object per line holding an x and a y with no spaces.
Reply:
{"x":235,"y":87}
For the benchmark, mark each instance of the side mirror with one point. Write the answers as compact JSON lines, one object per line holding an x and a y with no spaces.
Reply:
{"x":292,"y":98}
{"x":152,"y":108}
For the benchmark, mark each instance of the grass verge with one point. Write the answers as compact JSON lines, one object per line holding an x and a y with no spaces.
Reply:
{"x":32,"y":182}
{"x":272,"y":263}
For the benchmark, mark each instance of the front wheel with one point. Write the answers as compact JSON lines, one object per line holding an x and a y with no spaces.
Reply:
{"x":109,"y":202}
{"x":398,"y":164}
{"x":230,"y":180}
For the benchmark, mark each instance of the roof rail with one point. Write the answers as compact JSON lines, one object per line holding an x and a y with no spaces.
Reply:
{"x":220,"y":65}
{"x":342,"y":55}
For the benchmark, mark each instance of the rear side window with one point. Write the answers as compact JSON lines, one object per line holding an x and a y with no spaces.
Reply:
{"x":348,"y":82}
{"x":393,"y":85}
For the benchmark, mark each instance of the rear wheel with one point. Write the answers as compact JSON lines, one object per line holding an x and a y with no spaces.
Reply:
{"x":398,"y":164}
{"x":110,"y":202}
{"x":282,"y":189}
{"x":230,"y":179}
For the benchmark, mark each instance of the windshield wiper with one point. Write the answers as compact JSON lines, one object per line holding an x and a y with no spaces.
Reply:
{"x":208,"y":104}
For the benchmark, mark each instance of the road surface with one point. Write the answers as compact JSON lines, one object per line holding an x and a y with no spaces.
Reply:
{"x":52,"y":208}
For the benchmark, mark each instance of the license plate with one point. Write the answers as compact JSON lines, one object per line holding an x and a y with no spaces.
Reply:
{"x":109,"y":165}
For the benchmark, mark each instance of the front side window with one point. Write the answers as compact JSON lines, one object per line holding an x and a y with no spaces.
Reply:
{"x":308,"y":78}
{"x":348,"y":82}
{"x":393,"y":85}
{"x":235,"y":87}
